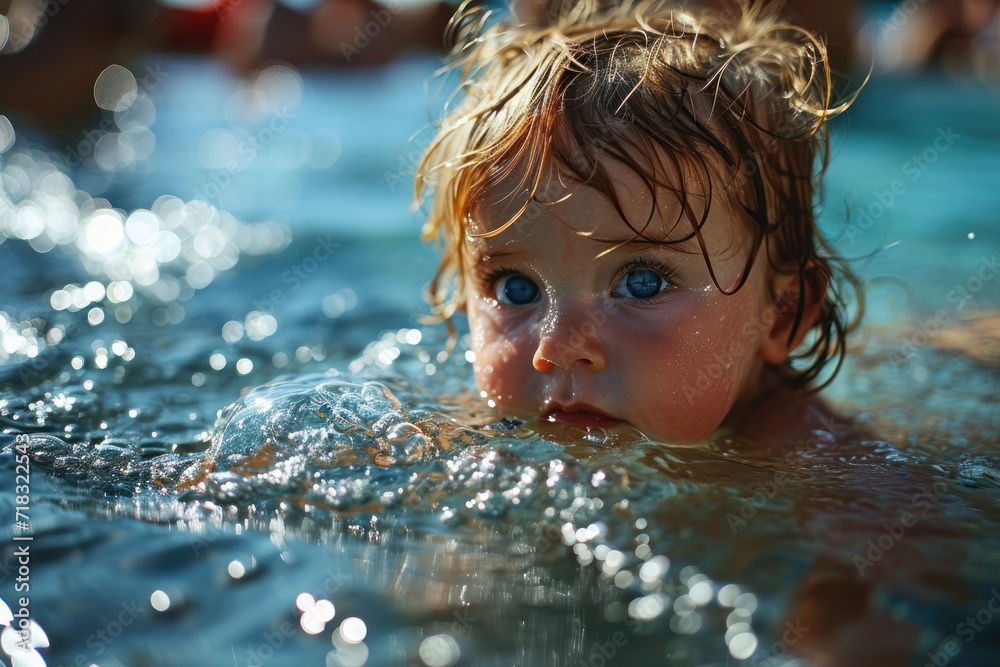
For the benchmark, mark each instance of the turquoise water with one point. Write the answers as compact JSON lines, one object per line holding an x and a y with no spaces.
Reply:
{"x":245,"y":448}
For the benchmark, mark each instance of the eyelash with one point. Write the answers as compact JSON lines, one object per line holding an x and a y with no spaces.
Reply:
{"x":488,"y":279}
{"x":667,"y":272}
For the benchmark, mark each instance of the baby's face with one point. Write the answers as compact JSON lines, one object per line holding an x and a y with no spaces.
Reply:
{"x":565,"y":330}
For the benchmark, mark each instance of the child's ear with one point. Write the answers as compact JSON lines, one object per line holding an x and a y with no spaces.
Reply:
{"x":790,"y":291}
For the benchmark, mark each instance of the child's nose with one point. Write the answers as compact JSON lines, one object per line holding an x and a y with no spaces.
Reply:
{"x":566,"y":341}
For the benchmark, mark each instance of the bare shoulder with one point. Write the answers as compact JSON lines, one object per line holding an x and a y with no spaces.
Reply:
{"x":786,"y":417}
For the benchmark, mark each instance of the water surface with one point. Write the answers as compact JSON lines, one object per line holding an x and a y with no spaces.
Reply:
{"x":246,"y":448}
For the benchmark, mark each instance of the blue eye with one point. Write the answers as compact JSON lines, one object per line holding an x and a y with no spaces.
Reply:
{"x":516,"y":290}
{"x":641,"y":284}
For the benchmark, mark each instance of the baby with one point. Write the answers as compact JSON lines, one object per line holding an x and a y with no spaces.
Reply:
{"x":625,"y":201}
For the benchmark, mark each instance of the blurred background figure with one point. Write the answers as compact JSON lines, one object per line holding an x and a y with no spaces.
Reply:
{"x":53,"y":50}
{"x":958,"y":35}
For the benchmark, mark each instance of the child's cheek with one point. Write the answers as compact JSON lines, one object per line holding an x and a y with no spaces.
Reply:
{"x":503,"y":360}
{"x":501,"y":364}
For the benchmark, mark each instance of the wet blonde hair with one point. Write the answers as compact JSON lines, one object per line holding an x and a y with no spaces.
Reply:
{"x":735,"y":100}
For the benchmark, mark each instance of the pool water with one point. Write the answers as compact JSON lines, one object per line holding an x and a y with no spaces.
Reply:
{"x":245,"y":447}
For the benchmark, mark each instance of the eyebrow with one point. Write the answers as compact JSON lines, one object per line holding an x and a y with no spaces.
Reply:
{"x":640,"y":244}
{"x":481,"y":256}
{"x":484,"y":255}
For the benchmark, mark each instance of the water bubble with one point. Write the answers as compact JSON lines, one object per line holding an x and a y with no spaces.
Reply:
{"x":353,"y":630}
{"x":624,"y":579}
{"x":260,"y":325}
{"x":232,"y":331}
{"x":115,"y":88}
{"x":326,"y":148}
{"x":701,"y":593}
{"x":654,"y":569}
{"x":141,"y":226}
{"x":165,"y":247}
{"x":104,"y":232}
{"x":736,"y":629}
{"x":119,"y":291}
{"x":315,"y":613}
{"x":324,"y":609}
{"x":61,"y":300}
{"x":311,"y":624}
{"x":647,"y":607}
{"x":439,"y":651}
{"x":743,"y":645}
{"x":6,"y":133}
{"x":278,"y":88}
{"x":137,"y":117}
{"x":747,"y":601}
{"x":349,"y":655}
{"x":28,"y":222}
{"x":217,"y":148}
{"x":159,"y":600}
{"x":114,"y":151}
{"x":93,"y":291}
{"x":727,"y":595}
{"x":971,"y":236}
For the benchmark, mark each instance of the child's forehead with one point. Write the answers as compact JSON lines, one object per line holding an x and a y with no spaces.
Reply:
{"x":627,"y":207}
